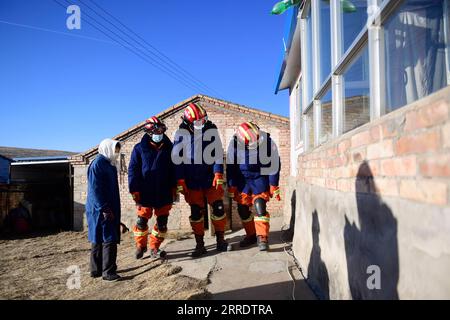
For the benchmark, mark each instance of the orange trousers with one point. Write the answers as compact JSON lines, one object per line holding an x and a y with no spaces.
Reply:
{"x":157,"y":236}
{"x":197,"y":198}
{"x":259,"y":224}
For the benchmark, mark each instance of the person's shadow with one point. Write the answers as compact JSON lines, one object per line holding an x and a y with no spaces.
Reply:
{"x":317,"y":270}
{"x":372,"y":249}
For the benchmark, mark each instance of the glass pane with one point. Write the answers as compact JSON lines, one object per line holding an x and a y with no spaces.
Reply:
{"x":299,"y":112}
{"x":308,"y":68}
{"x":326,"y":120}
{"x":354,"y":18}
{"x":310,"y":127}
{"x":415,"y":52}
{"x":325,"y":40}
{"x":357,"y":92}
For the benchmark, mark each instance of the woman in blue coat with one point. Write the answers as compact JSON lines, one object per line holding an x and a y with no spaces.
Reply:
{"x":103,"y":211}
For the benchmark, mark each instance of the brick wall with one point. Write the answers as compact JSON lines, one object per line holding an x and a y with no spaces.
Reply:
{"x":407,"y":153}
{"x":226,"y":118}
{"x":378,"y":196}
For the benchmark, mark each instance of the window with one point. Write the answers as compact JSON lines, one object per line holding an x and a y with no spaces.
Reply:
{"x":325,"y":40}
{"x":298,"y":114}
{"x":308,"y":67}
{"x":354,"y":18}
{"x":411,"y":62}
{"x":357,"y":92}
{"x":414,"y":52}
{"x":326,"y":117}
{"x":310,"y":127}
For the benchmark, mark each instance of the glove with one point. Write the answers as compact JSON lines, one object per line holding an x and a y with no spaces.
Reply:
{"x":275,"y":192}
{"x":124,"y":228}
{"x":137,"y":198}
{"x":108,"y":214}
{"x":181,"y":187}
{"x":218,"y":181}
{"x":232,"y":192}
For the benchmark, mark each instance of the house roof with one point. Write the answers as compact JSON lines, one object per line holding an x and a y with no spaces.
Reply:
{"x":20,"y":153}
{"x":218,"y":103}
{"x":290,"y":61}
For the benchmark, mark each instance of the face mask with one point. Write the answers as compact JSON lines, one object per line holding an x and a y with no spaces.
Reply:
{"x":157,"y":138}
{"x":199,"y":124}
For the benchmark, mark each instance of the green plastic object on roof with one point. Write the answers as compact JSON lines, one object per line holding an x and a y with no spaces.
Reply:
{"x":282,"y":6}
{"x":346,"y":5}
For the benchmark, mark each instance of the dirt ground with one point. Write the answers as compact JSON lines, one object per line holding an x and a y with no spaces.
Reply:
{"x":39,"y":268}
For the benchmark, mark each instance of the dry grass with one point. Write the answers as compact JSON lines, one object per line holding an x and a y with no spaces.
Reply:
{"x":36,"y":268}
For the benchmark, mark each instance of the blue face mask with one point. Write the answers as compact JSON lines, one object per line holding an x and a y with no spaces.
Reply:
{"x":157,"y":138}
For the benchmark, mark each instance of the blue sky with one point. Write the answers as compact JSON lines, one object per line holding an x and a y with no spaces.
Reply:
{"x":63,"y":92}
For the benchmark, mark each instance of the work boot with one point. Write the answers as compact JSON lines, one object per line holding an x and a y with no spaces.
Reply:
{"x":157,"y":253}
{"x":263,"y":243}
{"x":140,"y":253}
{"x":248,"y":241}
{"x":199,"y":248}
{"x":112,"y":277}
{"x":221,"y":243}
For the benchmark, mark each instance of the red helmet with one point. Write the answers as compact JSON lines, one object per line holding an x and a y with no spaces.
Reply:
{"x":155,"y":126}
{"x":195,"y":115}
{"x":248,"y":134}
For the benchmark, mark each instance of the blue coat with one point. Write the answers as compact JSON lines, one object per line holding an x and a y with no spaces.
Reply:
{"x":103,"y":193}
{"x":151,"y":173}
{"x":198,"y":176}
{"x":246,"y":175}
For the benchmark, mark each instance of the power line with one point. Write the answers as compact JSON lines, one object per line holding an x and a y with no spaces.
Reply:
{"x":157,"y":53}
{"x":55,"y":31}
{"x":133,"y":49}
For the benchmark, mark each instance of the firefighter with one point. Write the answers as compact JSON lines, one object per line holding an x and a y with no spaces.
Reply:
{"x":152,"y":185}
{"x":253,"y":174}
{"x":199,"y":178}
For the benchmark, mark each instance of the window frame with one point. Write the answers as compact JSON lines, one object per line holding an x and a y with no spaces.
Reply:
{"x":371,"y":37}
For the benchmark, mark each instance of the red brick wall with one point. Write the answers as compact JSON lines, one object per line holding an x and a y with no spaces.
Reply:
{"x":226,"y":120}
{"x":408,"y":153}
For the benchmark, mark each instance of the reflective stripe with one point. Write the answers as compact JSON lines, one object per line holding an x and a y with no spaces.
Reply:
{"x":230,"y":195}
{"x":249,"y":219}
{"x":196,"y":221}
{"x":191,"y":111}
{"x":140,"y":233}
{"x":213,"y":217}
{"x":158,"y":234}
{"x":242,"y":130}
{"x":276,"y":192}
{"x":262,"y":219}
{"x":253,"y":127}
{"x":219,"y":181}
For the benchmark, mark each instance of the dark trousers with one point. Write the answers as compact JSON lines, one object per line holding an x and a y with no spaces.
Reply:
{"x":103,"y":259}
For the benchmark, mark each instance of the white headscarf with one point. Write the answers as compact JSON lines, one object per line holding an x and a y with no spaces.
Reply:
{"x":107,"y":149}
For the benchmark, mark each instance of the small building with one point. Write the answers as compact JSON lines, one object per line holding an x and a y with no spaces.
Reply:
{"x":41,"y":180}
{"x":227,"y":116}
{"x":369,"y":185}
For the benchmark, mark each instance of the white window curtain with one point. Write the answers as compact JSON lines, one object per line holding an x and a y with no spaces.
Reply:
{"x":415,"y":52}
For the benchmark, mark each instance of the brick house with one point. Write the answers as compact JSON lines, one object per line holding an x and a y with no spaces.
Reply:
{"x":226,"y":116}
{"x":369,"y":186}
